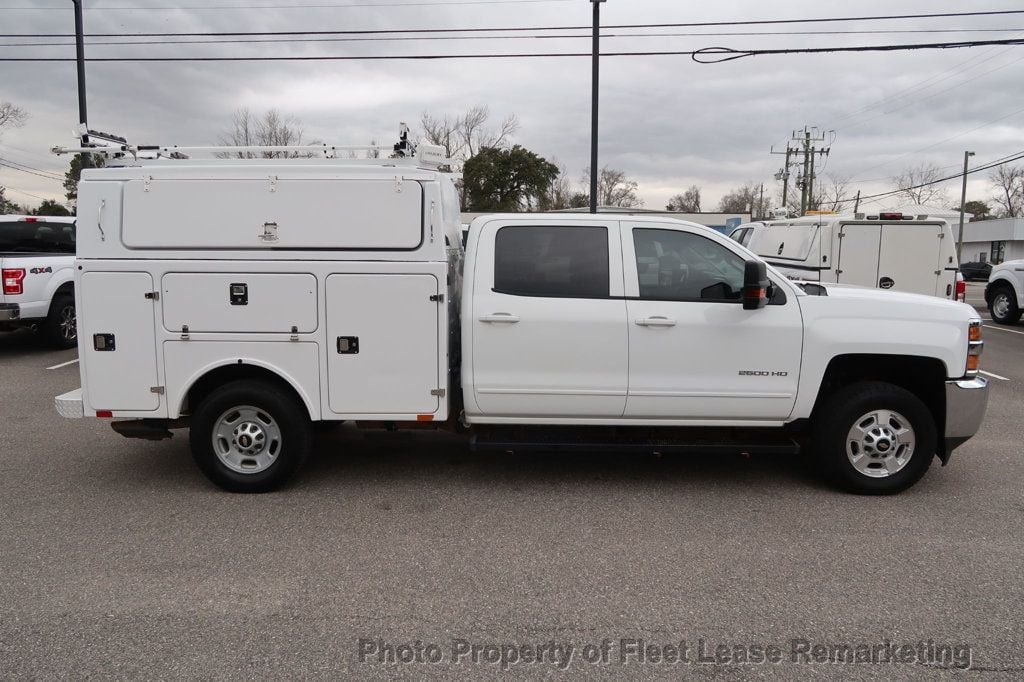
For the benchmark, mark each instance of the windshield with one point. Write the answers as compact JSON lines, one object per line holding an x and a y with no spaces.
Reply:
{"x":37,"y":237}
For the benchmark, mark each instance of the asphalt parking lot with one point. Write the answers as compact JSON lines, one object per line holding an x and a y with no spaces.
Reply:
{"x":120,"y":560}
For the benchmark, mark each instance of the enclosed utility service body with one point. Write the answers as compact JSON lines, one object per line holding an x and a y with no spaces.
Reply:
{"x":247,"y":299}
{"x":908,"y":253}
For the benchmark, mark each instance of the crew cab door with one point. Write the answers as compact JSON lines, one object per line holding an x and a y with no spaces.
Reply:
{"x":548,"y":320}
{"x":694,"y":352}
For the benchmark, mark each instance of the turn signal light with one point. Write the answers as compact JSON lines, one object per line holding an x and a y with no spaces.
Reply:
{"x":973,"y":363}
{"x":975,"y":333}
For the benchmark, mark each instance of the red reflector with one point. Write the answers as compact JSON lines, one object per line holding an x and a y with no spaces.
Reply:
{"x":104,"y":414}
{"x":890,"y":216}
{"x":13,"y":278}
{"x":424,"y":417}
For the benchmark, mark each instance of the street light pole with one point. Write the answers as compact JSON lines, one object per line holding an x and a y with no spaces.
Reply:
{"x":963,"y":199}
{"x":594,"y":80}
{"x":80,"y":59}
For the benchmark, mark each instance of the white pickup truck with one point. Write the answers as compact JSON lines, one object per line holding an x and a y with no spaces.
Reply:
{"x":1005,"y":292}
{"x":37,"y":257}
{"x":247,"y":299}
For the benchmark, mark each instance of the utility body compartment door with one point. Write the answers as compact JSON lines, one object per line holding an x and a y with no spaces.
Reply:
{"x":382,"y":338}
{"x":267,"y":302}
{"x":858,"y":255}
{"x":118,"y":341}
{"x":909,"y":259}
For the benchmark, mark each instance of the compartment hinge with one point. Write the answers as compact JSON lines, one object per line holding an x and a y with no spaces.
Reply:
{"x":398,"y":183}
{"x":295,"y":334}
{"x":159,"y":390}
{"x":273,"y":183}
{"x":184,"y":332}
{"x":432,"y":204}
{"x":147,"y":181}
{"x":437,"y":298}
{"x":153,"y":295}
{"x":439,"y":392}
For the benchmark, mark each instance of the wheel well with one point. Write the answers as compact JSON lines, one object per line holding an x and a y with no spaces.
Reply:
{"x":66,"y":288}
{"x":995,"y":286}
{"x":924,"y":377}
{"x":219,"y":376}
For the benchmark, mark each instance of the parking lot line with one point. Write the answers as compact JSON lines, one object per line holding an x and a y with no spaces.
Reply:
{"x":1012,"y":331}
{"x":64,"y":364}
{"x":994,"y":376}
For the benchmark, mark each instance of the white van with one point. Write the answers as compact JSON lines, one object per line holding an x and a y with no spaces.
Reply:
{"x":915,"y":254}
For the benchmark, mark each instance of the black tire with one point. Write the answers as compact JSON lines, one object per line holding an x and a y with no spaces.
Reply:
{"x":836,"y":418}
{"x":60,"y":329}
{"x":1003,"y":306}
{"x":272,"y":407}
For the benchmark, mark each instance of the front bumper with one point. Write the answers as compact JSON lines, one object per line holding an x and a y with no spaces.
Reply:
{"x":10,"y":312}
{"x":966,"y":402}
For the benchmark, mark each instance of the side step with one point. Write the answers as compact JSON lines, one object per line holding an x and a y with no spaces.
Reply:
{"x":697,"y":442}
{"x":146,"y":429}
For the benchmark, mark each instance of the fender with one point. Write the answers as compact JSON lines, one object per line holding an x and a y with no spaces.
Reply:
{"x":312,"y":406}
{"x":1006,"y":276}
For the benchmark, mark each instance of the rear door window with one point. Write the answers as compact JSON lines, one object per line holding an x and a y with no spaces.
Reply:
{"x":552,"y":261}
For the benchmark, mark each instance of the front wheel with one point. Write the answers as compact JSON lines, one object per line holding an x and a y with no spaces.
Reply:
{"x":874,"y":438}
{"x":1003,"y":306}
{"x":249,"y":436}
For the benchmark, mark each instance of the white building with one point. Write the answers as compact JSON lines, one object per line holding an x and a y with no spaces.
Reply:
{"x":993,"y":241}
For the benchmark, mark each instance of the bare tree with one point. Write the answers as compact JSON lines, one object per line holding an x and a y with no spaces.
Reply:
{"x":272,"y":129}
{"x":687,"y":202}
{"x":12,"y":116}
{"x":1009,"y":184}
{"x":743,"y":199}
{"x":462,"y":137}
{"x":559,"y":194}
{"x":832,"y":194}
{"x":918,"y":185}
{"x":614,"y":188}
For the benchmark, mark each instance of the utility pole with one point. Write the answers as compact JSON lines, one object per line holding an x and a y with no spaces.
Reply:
{"x":83,"y":118}
{"x":963,"y":200}
{"x":805,"y":144}
{"x":760,"y":203}
{"x":594,"y":81}
{"x":856,"y":203}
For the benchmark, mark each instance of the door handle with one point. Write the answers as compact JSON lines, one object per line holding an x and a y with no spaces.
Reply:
{"x":507,"y":318}
{"x":656,"y":321}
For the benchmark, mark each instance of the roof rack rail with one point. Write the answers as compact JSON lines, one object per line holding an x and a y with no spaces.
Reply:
{"x":423,"y":154}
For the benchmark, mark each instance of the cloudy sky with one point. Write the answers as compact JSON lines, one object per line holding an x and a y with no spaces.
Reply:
{"x":666,"y":121}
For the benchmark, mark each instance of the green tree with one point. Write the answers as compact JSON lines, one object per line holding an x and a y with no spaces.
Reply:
{"x":51,"y":207}
{"x":74,"y":174}
{"x":507,"y":179}
{"x":979,"y":209}
{"x":8,"y":207}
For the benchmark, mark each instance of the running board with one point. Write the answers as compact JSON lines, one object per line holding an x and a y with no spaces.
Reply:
{"x":553,"y":442}
{"x":147,"y":429}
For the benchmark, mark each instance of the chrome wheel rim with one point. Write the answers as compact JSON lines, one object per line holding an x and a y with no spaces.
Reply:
{"x":1001,"y":306}
{"x":246,"y":439}
{"x":880,"y":443}
{"x":68,"y":323}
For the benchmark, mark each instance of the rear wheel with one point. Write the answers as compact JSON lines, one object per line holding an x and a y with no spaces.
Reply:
{"x":874,"y":438}
{"x":249,"y":436}
{"x":61,"y":326}
{"x":1003,"y":306}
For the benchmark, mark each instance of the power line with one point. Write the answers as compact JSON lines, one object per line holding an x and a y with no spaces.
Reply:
{"x":989,"y":166}
{"x":5,"y":164}
{"x":708,"y":55}
{"x":515,"y":28}
{"x":21,"y":191}
{"x":178,"y":8}
{"x":56,"y":176}
{"x":515,"y":37}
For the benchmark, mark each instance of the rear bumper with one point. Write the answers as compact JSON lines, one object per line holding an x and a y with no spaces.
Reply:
{"x":966,"y":402}
{"x":10,"y":312}
{"x":69,"y":405}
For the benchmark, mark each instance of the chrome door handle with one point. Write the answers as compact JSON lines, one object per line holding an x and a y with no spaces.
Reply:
{"x":99,"y":220}
{"x":507,"y":318}
{"x":656,"y":321}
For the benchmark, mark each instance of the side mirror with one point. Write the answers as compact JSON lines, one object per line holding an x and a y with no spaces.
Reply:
{"x":755,"y":285}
